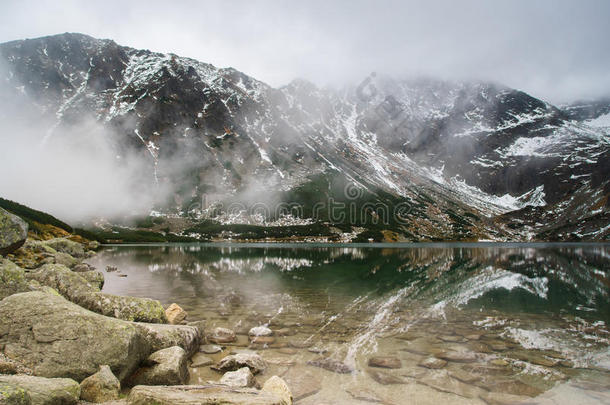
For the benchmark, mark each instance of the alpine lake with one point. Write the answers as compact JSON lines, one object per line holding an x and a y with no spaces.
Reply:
{"x":463,"y":323}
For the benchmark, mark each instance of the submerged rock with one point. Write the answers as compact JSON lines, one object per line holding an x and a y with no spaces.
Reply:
{"x":43,"y":391}
{"x":163,"y":367}
{"x":56,"y":338}
{"x":210,"y":349}
{"x":175,"y":314}
{"x":236,"y":361}
{"x":302,"y":383}
{"x":331,"y":365}
{"x":201,"y":394}
{"x":275,"y":385}
{"x":433,"y":363}
{"x":240,"y":378}
{"x":13,"y":232}
{"x":384,"y":378}
{"x":199,"y":360}
{"x":385,"y":362}
{"x":102,"y":386}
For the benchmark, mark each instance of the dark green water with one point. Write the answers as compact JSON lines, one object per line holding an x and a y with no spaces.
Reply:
{"x":532,"y":317}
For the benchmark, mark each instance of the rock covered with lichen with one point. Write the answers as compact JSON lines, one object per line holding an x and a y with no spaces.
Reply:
{"x":13,"y":232}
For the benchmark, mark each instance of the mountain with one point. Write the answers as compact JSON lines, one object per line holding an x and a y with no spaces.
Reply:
{"x":416,"y":159}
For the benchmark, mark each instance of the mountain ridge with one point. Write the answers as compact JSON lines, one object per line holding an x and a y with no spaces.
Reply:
{"x":451,"y":151}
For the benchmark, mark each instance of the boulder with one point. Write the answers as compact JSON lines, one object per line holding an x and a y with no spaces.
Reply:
{"x":13,"y":395}
{"x":56,"y":338}
{"x":236,"y":361}
{"x":100,"y":387}
{"x":76,"y":288}
{"x":44,"y":391}
{"x":200,"y":395}
{"x":160,"y":336}
{"x":163,"y":367}
{"x":134,"y":309}
{"x":13,"y":232}
{"x":12,"y":279}
{"x":67,"y":246}
{"x":275,"y":385}
{"x":222,"y":335}
{"x":94,"y":277}
{"x":82,"y":267}
{"x":243,"y":377}
{"x":175,"y":315}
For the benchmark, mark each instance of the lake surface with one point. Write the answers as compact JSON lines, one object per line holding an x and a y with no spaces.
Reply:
{"x":461,"y":323}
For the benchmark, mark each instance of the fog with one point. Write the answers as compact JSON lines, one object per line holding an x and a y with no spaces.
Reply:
{"x":557,"y":50}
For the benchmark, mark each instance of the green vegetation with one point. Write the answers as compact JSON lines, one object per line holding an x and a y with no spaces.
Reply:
{"x":33,"y":217}
{"x":210,"y":228}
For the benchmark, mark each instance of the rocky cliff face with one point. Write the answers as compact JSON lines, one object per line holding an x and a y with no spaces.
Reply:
{"x":469,"y":160}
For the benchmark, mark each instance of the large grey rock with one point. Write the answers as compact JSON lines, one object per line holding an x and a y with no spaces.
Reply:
{"x":122,"y":307}
{"x":239,"y":379}
{"x":45,"y":391}
{"x":100,"y":387}
{"x":94,"y":277}
{"x":79,"y":290}
{"x":12,"y":279}
{"x":56,"y":338}
{"x":163,"y":367}
{"x":68,"y":246}
{"x":13,"y":395}
{"x":201,"y":395}
{"x":13,"y":232}
{"x":160,"y":336}
{"x":236,"y":361}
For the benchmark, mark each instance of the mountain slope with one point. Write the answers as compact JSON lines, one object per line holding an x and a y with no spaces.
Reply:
{"x":413,"y":159}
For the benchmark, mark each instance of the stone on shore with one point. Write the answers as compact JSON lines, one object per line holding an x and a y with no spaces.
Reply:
{"x":100,"y":387}
{"x":134,"y":309}
{"x":13,"y":395}
{"x":94,"y":277}
{"x":236,"y":361}
{"x":67,"y":246}
{"x":260,"y":331}
{"x":44,"y":391}
{"x":79,"y":290}
{"x":241,"y":378}
{"x":56,"y":338}
{"x":13,"y":232}
{"x":161,"y":336}
{"x":201,"y":395}
{"x":222,"y":335}
{"x":163,"y":367}
{"x":175,"y":314}
{"x":12,"y":279}
{"x":275,"y":385}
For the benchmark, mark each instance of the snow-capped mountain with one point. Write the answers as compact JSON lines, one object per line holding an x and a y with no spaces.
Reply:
{"x":470,"y":160}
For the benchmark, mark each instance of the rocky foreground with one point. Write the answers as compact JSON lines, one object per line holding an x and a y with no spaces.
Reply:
{"x":63,"y":341}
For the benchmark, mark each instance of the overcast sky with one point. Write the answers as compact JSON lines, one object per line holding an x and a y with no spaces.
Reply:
{"x":554,"y":49}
